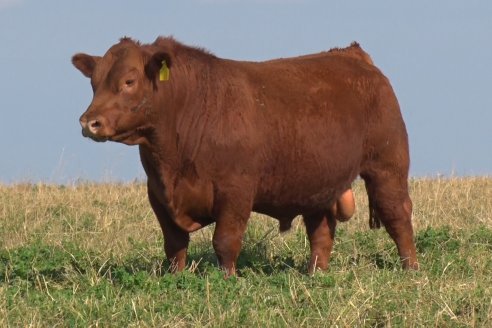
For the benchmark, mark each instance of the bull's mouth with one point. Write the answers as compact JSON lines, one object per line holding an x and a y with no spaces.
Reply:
{"x":94,"y":137}
{"x":116,"y":137}
{"x":126,"y":137}
{"x":131,"y":137}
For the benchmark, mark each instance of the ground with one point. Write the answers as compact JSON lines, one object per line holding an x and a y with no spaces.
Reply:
{"x":91,"y":255}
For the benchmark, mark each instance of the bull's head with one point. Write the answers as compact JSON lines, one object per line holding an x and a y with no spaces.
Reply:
{"x":123,"y":82}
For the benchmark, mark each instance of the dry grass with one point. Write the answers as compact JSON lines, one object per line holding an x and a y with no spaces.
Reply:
{"x":106,"y":216}
{"x":103,"y":216}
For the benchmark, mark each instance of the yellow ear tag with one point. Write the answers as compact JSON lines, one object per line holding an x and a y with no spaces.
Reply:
{"x":164,"y":72}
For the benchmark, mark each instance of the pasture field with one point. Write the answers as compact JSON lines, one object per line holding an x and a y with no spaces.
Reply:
{"x":90,"y":255}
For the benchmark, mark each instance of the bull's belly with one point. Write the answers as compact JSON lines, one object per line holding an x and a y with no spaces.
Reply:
{"x":287,"y":199}
{"x":308,"y":172}
{"x":290,"y":208}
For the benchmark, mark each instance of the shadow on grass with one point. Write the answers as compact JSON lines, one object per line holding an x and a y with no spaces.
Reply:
{"x":384,"y":263}
{"x":252,"y":258}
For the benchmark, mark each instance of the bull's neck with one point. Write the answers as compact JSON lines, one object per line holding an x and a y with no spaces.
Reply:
{"x":179,"y":116}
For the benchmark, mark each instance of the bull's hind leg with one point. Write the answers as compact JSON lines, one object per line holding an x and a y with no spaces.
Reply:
{"x":320,"y":229}
{"x":390,"y":203}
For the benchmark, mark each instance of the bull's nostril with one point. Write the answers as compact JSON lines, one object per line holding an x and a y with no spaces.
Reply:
{"x":94,"y":126}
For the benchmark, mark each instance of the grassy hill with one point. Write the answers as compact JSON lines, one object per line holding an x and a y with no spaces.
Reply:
{"x":91,"y":255}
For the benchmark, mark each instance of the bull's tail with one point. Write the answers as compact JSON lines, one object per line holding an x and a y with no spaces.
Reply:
{"x":374,"y":222}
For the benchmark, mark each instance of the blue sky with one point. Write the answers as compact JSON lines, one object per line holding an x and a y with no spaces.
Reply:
{"x":438,"y":55}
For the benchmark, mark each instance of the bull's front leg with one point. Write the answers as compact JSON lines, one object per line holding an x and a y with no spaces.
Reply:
{"x":227,"y":240}
{"x":320,"y":229}
{"x":231,"y":221}
{"x":176,"y":240}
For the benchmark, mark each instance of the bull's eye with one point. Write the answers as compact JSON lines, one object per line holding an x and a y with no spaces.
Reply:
{"x":129,"y":82}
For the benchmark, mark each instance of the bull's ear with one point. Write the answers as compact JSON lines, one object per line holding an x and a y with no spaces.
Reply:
{"x":85,"y":63}
{"x":155,"y":64}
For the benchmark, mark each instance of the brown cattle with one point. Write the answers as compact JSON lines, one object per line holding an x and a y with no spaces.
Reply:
{"x":220,"y":138}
